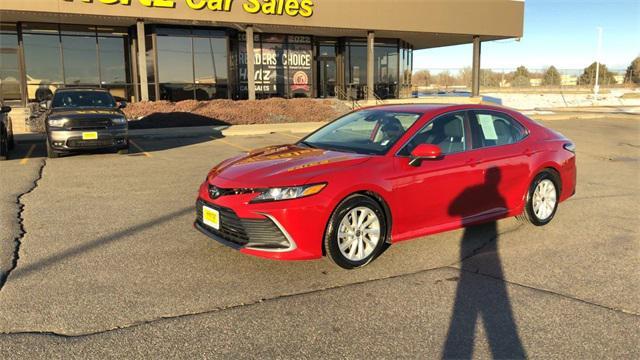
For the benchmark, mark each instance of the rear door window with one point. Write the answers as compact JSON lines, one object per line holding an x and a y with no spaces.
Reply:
{"x":490,"y":128}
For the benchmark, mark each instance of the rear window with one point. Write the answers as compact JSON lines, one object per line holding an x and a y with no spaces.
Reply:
{"x":83,"y":99}
{"x":493,"y":129}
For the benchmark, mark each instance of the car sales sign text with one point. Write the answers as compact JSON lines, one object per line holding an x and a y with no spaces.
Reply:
{"x":303,"y":8}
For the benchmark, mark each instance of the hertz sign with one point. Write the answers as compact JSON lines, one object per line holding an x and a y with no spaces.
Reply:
{"x":302,"y":8}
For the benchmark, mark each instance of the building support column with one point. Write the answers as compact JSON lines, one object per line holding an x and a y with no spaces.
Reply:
{"x":370,"y":65}
{"x":251,"y":72}
{"x":142,"y":61}
{"x":475,"y":70}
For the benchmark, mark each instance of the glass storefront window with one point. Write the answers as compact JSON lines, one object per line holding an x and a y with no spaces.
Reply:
{"x":75,"y":55}
{"x":210,"y":68}
{"x":299,"y":62}
{"x":175,"y":62}
{"x":283,"y":66}
{"x":356,"y":70}
{"x":10,"y":88}
{"x":386,"y":71}
{"x":175,"y":68}
{"x":43,"y":65}
{"x":191,"y":64}
{"x":112,"y":60}
{"x":80,"y":54}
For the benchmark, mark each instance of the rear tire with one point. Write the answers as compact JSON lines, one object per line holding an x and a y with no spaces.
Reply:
{"x":51,"y":153}
{"x":4,"y":145}
{"x":356,"y":232}
{"x":542,"y":199}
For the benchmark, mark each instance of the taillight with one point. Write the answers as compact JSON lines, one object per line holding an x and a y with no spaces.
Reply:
{"x":570,"y":147}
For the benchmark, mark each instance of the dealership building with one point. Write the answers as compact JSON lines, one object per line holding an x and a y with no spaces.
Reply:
{"x":236,"y":49}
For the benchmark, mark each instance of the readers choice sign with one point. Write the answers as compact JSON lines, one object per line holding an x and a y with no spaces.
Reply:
{"x":281,"y":68}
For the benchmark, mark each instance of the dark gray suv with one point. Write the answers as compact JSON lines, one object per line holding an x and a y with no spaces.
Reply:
{"x":6,"y":132}
{"x":85,"y":119}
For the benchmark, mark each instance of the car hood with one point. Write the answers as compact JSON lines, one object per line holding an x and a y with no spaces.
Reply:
{"x":84,"y":113}
{"x":282,"y":165}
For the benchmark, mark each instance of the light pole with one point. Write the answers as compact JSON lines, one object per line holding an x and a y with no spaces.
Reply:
{"x":596,"y":88}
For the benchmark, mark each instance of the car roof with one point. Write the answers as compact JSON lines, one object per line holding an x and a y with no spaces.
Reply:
{"x":81,"y":89}
{"x":432,"y":108}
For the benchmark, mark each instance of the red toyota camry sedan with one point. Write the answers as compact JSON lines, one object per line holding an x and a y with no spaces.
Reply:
{"x":383,"y":175}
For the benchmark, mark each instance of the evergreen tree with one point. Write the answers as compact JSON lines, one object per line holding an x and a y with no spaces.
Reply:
{"x":551,"y":77}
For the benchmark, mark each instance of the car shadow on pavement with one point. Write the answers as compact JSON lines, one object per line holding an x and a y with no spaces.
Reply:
{"x":174,"y":119}
{"x":478,"y":298}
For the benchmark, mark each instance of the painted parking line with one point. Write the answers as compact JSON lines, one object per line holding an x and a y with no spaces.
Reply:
{"x":26,"y":158}
{"x":291,"y":136}
{"x":139,"y":148}
{"x":240,"y":147}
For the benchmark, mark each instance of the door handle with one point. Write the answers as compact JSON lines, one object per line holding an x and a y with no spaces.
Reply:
{"x":471,"y":162}
{"x":527,"y":152}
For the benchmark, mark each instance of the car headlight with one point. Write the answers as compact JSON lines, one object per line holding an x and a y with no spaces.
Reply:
{"x":119,"y":121}
{"x":57,"y":122}
{"x":288,"y":193}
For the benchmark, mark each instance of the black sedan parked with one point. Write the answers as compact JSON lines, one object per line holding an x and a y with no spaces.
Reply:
{"x":6,"y":132}
{"x":85,"y":119}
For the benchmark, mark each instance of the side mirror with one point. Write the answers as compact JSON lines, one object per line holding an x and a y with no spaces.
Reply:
{"x":122,"y":104}
{"x":425,"y":152}
{"x":5,"y":109}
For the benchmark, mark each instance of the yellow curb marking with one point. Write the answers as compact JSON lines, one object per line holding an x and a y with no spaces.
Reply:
{"x":26,"y":157}
{"x":139,"y":148}
{"x":291,"y":136}
{"x":231,"y":144}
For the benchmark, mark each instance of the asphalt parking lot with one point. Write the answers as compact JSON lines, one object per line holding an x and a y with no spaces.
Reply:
{"x":103,"y":261}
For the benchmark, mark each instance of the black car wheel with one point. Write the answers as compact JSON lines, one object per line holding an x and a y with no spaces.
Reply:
{"x":356,"y":232}
{"x":4,"y":144}
{"x":12,"y":143}
{"x":542,"y":199}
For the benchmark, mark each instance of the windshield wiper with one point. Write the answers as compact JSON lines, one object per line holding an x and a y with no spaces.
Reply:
{"x":307,"y":144}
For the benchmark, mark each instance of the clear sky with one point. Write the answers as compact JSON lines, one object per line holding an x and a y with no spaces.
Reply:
{"x":556,"y":32}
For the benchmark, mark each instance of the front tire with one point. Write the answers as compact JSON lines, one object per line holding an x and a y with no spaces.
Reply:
{"x":542,"y":199}
{"x":356,"y":232}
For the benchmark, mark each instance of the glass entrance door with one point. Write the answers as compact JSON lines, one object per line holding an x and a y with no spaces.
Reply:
{"x":326,"y":77}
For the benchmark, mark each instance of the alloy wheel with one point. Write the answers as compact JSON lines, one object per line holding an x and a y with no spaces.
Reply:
{"x":359,"y":233}
{"x":544,"y":199}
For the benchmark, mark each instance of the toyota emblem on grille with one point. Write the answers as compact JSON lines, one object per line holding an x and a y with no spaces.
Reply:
{"x":214,"y":192}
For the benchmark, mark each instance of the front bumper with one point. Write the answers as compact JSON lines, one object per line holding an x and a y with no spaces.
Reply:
{"x":285,"y":230}
{"x":71,"y":140}
{"x":264,"y":234}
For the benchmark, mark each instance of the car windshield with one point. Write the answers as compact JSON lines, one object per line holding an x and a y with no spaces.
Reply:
{"x":364,"y":132}
{"x":83,"y":99}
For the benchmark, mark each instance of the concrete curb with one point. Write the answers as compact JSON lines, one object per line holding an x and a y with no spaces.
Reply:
{"x":262,"y":129}
{"x":235,"y":130}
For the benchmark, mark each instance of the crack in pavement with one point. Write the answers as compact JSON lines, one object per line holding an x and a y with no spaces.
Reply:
{"x":547,"y":291}
{"x":304,"y":293}
{"x":22,"y":232}
{"x":140,"y":323}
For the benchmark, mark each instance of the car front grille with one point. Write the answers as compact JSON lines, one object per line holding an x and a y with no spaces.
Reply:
{"x":216,"y":192}
{"x":255,"y":233}
{"x":79,"y":143}
{"x":231,"y":227}
{"x":88,"y":124}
